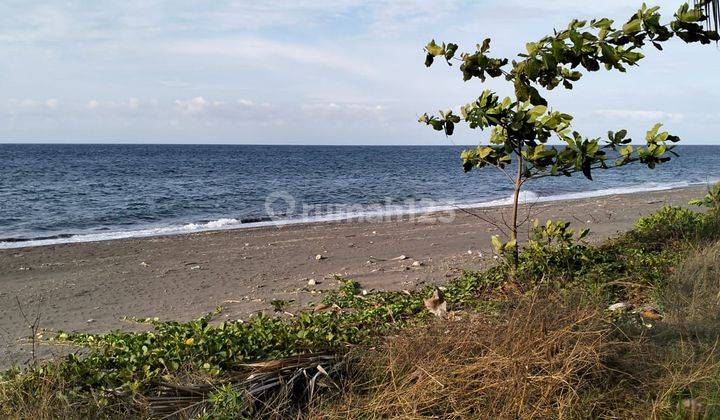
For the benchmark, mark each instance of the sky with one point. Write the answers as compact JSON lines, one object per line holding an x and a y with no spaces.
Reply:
{"x":310,"y":71}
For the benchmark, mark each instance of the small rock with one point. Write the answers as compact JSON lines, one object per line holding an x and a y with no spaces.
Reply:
{"x":319,"y":257}
{"x":90,"y":321}
{"x":617,"y":306}
{"x":144,"y":264}
{"x":364,"y":292}
{"x":469,"y":251}
{"x":374,"y":233}
{"x":247,"y":244}
{"x":400,"y":258}
{"x":417,"y":263}
{"x":312,"y":282}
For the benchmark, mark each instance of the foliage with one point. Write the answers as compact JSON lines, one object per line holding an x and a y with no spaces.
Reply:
{"x":521,"y":127}
{"x":667,"y":224}
{"x":711,"y":200}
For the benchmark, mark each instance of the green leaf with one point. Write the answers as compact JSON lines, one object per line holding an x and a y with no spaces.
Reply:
{"x":434,"y":49}
{"x":497,"y":243}
{"x":537,"y":111}
{"x":633,"y":26}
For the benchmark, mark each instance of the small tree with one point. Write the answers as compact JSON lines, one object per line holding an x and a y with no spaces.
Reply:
{"x":521,"y":127}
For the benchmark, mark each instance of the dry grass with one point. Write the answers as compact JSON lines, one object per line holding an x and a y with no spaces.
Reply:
{"x":543,"y":362}
{"x":551,"y":358}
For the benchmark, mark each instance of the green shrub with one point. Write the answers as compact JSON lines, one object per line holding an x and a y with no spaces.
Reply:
{"x":668,"y":224}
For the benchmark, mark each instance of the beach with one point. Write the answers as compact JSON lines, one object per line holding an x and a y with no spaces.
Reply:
{"x":91,"y":286}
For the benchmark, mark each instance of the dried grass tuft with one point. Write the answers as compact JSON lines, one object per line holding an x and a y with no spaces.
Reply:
{"x":540,"y":363}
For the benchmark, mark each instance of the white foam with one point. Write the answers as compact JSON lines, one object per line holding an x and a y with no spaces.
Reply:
{"x":375,"y":214}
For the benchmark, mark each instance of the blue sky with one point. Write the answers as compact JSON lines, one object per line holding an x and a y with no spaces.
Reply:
{"x":308,"y":72}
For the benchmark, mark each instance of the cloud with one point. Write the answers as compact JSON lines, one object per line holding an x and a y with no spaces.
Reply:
{"x":20,"y":104}
{"x":258,"y":52}
{"x":640,"y":115}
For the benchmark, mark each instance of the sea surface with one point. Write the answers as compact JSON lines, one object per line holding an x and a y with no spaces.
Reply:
{"x":72,"y":193}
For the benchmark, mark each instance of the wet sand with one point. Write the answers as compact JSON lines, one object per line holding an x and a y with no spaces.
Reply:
{"x":90,"y":286}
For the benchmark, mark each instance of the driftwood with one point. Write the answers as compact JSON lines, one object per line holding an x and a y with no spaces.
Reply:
{"x":269,"y":386}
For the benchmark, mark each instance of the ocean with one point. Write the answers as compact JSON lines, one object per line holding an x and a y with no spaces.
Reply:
{"x":73,"y":193}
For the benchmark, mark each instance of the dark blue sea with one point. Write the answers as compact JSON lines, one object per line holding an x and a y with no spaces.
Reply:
{"x":72,"y":193}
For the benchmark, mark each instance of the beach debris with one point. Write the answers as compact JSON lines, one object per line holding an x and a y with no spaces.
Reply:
{"x":417,"y":263}
{"x":374,"y":232}
{"x":247,"y":244}
{"x":312,"y":282}
{"x":321,"y":307}
{"x":90,"y":321}
{"x":24,"y":268}
{"x":364,"y":292}
{"x":650,"y":313}
{"x":400,"y":258}
{"x":436,"y":304}
{"x":195,"y":267}
{"x":469,"y":251}
{"x":319,"y":257}
{"x":144,"y":264}
{"x":617,"y":306}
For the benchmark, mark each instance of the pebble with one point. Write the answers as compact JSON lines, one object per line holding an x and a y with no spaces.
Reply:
{"x":417,"y":263}
{"x":90,"y":321}
{"x":469,"y":251}
{"x":144,"y":264}
{"x":319,"y":257}
{"x":312,"y":282}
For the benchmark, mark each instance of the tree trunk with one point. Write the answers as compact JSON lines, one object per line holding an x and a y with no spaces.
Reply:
{"x":516,"y":202}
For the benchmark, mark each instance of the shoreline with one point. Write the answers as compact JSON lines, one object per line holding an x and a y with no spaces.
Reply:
{"x":90,"y":286}
{"x":384,"y":213}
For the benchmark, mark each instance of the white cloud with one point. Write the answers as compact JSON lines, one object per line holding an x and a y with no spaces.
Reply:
{"x":192,"y":106}
{"x":640,"y":115}
{"x":258,"y":52}
{"x":33,"y":104}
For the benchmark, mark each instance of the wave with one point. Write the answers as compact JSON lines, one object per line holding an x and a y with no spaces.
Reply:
{"x":374,"y":213}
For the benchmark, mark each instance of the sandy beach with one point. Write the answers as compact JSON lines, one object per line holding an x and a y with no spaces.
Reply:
{"x":91,"y":286}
